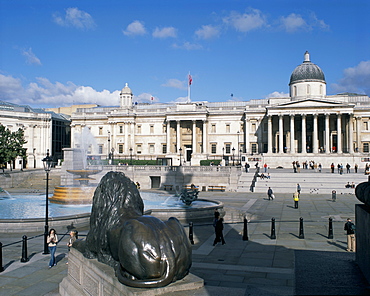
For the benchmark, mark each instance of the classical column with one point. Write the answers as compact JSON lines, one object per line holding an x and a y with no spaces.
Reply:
{"x":269,"y":134}
{"x":339,"y":133}
{"x":246,"y":136}
{"x":168,"y":136}
{"x":132,"y":124}
{"x":315,"y":135}
{"x":281,"y":134}
{"x":358,"y":133}
{"x":350,"y":133}
{"x":327,"y":133}
{"x":292,"y":147}
{"x":194,"y":137}
{"x":204,"y":137}
{"x":127,"y":144}
{"x":304,"y":145}
{"x":178,"y":139}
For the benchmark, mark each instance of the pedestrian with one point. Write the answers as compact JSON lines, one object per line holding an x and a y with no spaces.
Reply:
{"x":296,"y":199}
{"x":320,"y":167}
{"x":332,"y":168}
{"x":218,"y":231}
{"x":298,"y":188}
{"x":137,"y":185}
{"x":356,"y":168}
{"x":72,"y":239}
{"x":348,"y":167}
{"x":351,"y":240}
{"x":265,"y":167}
{"x":338,"y":166}
{"x":52,"y":241}
{"x":270,"y":193}
{"x":341,"y":169}
{"x":247,"y":167}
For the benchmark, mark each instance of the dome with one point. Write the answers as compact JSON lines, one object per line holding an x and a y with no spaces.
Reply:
{"x":307,"y":71}
{"x":126,"y":89}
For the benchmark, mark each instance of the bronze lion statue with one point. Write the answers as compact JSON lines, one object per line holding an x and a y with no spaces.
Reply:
{"x":145,"y":251}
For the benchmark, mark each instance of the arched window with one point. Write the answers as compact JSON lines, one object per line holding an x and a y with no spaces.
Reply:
{"x":294,"y":91}
{"x":308,"y":89}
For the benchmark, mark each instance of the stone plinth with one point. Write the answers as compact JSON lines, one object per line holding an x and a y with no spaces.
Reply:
{"x":91,"y":277}
{"x":363,"y":239}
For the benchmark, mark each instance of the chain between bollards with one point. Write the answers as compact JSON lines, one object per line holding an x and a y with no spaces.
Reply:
{"x":191,"y":233}
{"x":245,"y":229}
{"x":273,"y":232}
{"x":330,"y":235}
{"x":301,"y":234}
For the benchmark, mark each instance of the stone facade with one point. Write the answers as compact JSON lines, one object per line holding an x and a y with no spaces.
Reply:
{"x":306,"y":125}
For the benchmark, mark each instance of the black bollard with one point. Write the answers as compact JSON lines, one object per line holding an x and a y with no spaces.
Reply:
{"x":191,"y":233}
{"x":24,"y":249}
{"x":1,"y":257}
{"x":273,"y":233}
{"x":301,"y":235}
{"x":330,"y":235}
{"x":245,"y":229}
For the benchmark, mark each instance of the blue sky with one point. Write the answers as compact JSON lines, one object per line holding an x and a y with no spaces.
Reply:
{"x":57,"y":53}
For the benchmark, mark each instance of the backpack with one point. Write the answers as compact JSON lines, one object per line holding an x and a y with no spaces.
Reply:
{"x":352,"y":227}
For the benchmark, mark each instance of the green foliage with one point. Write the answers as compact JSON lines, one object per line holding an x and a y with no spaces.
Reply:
{"x":207,"y":162}
{"x":136,"y":161}
{"x":11,"y":145}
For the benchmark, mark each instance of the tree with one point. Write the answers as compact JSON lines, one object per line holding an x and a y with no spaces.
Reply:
{"x":11,"y":145}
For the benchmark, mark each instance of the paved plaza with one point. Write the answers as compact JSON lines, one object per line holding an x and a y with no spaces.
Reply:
{"x":287,"y":265}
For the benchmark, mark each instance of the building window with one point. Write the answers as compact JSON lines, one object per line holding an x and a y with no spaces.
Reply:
{"x":89,"y":149}
{"x":253,"y":127}
{"x":121,"y":129}
{"x":151,"y":148}
{"x":227,"y":148}
{"x":213,"y":148}
{"x":294,"y":91}
{"x":152,"y":128}
{"x":164,"y":128}
{"x":164,"y":148}
{"x":100,"y":148}
{"x":366,"y":125}
{"x":100,"y":130}
{"x":365,"y":147}
{"x":241,"y":128}
{"x":120,"y":148}
{"x":308,"y":89}
{"x":228,"y":128}
{"x":213,"y":128}
{"x":138,"y":148}
{"x":254,"y":148}
{"x":139,"y":129}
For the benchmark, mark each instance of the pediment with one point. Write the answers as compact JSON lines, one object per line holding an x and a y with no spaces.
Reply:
{"x":316,"y":103}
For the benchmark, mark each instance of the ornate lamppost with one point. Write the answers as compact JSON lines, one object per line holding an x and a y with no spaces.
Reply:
{"x":108,"y":146}
{"x":180,"y":155}
{"x":130,"y":156}
{"x":240,"y":157}
{"x":233,"y":155}
{"x":34,"y":158}
{"x":47,"y":162}
{"x":112,"y":150}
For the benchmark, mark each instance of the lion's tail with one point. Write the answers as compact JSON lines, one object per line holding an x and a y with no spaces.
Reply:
{"x":164,"y":280}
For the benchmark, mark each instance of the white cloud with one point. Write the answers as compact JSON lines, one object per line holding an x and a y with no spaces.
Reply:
{"x":277,"y":94}
{"x":293,"y":23}
{"x":31,"y":58}
{"x":75,"y":18}
{"x":175,"y":83}
{"x":207,"y":32}
{"x":47,"y":94}
{"x":247,"y":21}
{"x":319,"y":23}
{"x":145,"y":98}
{"x":355,"y":79}
{"x":135,"y":28}
{"x":165,"y":32}
{"x":187,"y":46}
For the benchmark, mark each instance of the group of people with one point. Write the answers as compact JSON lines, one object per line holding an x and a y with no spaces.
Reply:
{"x":340,"y":168}
{"x":52,"y":241}
{"x":350,"y":185}
{"x":305,"y":165}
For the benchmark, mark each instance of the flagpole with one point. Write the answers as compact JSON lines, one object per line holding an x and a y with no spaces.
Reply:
{"x":189,"y":83}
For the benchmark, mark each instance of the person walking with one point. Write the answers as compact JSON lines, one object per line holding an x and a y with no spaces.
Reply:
{"x":265,"y":167}
{"x":348,"y":167}
{"x":72,"y":239}
{"x":296,"y":199}
{"x":356,"y":168}
{"x":270,"y":193}
{"x":298,"y":188}
{"x":350,"y":228}
{"x":219,"y":231}
{"x":52,"y":241}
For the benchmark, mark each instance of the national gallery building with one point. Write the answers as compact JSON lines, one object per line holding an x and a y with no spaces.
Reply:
{"x":307,"y":125}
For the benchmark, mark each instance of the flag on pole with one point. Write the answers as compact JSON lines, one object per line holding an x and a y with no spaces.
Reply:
{"x":190,"y":79}
{"x":152,"y":98}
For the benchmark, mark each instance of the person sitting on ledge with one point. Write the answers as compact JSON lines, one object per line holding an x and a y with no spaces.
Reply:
{"x":348,"y":185}
{"x":353,"y":185}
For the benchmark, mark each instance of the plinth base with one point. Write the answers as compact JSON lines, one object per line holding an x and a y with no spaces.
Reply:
{"x":91,"y":277}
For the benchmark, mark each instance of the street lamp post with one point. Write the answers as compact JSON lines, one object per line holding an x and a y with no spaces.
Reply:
{"x":112,"y":156}
{"x":130,"y":156}
{"x":34,"y":158}
{"x":233,"y":155}
{"x":47,"y":162}
{"x":240,"y":157}
{"x":180,"y":155}
{"x":108,"y":146}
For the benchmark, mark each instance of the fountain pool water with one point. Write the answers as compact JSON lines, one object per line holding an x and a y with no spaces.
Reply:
{"x":33,"y":206}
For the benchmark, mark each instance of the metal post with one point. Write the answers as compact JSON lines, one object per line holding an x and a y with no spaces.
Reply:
{"x":1,"y":257}
{"x":245,"y":229}
{"x":46,"y":249}
{"x":273,"y":233}
{"x":191,"y":233}
{"x":24,"y":249}
{"x":301,"y":234}
{"x":330,"y":235}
